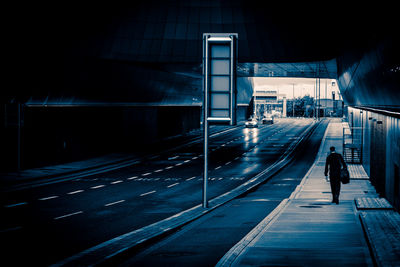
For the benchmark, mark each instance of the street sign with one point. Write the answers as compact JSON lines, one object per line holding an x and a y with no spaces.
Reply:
{"x":219,"y":84}
{"x":219,"y":77}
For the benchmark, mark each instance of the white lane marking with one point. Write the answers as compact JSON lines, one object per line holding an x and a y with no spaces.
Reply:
{"x":68,"y":215}
{"x":131,"y":178}
{"x":75,"y":192}
{"x":169,"y":167}
{"x":218,"y":168}
{"x":16,"y":204}
{"x":278,"y":145}
{"x":97,"y":186}
{"x":229,"y":162}
{"x":191,"y":178}
{"x":116,"y":182}
{"x":173,"y":158}
{"x":237,"y":158}
{"x":171,"y":185}
{"x":219,"y":179}
{"x":113,"y":203}
{"x":47,"y":198}
{"x":160,"y":170}
{"x":147,"y":173}
{"x":186,"y":161}
{"x":148,"y":193}
{"x":195,"y":158}
{"x":178,"y":164}
{"x":237,"y":178}
{"x":11,"y":229}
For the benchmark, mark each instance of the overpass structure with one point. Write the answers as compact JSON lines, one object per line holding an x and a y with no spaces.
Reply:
{"x":94,"y":79}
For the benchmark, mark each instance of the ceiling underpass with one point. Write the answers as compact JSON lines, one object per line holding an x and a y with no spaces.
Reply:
{"x":152,"y":52}
{"x":319,"y":69}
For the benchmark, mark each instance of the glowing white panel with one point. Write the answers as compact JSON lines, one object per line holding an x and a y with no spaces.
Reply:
{"x":220,"y":83}
{"x":220,"y":51}
{"x":219,"y":113}
{"x":220,"y":67}
{"x":220,"y":101}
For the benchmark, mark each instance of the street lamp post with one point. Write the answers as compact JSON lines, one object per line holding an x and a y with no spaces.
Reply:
{"x":255,"y":104}
{"x":315,"y":99}
{"x":293,"y":100}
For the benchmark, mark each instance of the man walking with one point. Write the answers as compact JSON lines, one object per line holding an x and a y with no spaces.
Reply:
{"x":334,"y":162}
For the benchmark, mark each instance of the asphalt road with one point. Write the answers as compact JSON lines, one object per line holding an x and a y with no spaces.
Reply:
{"x":48,"y":223}
{"x":205,"y":241}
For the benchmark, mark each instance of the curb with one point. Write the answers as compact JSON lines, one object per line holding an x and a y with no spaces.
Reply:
{"x":97,"y":169}
{"x":109,"y":251}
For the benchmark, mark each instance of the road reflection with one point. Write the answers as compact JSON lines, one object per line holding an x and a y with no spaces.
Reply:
{"x":251,"y":135}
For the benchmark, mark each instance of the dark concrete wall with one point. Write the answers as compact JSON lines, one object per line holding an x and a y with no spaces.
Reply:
{"x":52,"y":135}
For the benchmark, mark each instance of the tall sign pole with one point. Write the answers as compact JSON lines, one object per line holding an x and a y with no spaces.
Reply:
{"x":205,"y":118}
{"x":219,"y":87}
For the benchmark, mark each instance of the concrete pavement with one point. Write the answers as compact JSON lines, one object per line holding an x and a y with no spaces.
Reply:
{"x":308,"y":230}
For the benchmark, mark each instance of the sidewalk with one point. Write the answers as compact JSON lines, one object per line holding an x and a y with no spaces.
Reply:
{"x":308,"y":230}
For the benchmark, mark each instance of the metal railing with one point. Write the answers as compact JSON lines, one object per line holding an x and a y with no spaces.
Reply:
{"x":352,"y":144}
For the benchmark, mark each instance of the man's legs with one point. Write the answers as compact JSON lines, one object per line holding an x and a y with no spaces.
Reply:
{"x":335,"y":188}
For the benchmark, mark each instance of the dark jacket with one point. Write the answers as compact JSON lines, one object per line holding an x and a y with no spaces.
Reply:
{"x":334,"y":162}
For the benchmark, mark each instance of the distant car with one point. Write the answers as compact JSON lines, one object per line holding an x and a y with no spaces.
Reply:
{"x":268,"y":120}
{"x":251,"y":123}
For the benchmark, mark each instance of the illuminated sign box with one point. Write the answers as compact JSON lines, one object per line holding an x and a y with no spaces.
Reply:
{"x":219,"y":77}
